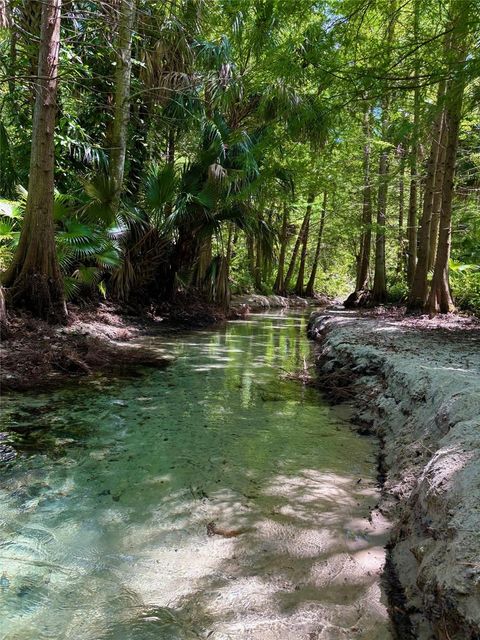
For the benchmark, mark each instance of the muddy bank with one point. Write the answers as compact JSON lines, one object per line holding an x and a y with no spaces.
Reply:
{"x":36,"y":355}
{"x":98,"y":339}
{"x":416,"y":384}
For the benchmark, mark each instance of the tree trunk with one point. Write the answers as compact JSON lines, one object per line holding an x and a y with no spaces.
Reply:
{"x":123,"y":71}
{"x":310,"y":288}
{"x":12,"y":58}
{"x":26,"y":22}
{"x":34,"y":275}
{"x":412,"y":218}
{"x":279,"y":286}
{"x":4,"y":17}
{"x":298,"y":242}
{"x":299,"y":286}
{"x":202,"y":264}
{"x":440,"y":297}
{"x":401,"y":209}
{"x":379,"y":292}
{"x":221,"y":285}
{"x":229,"y":255}
{"x":363,"y":265}
{"x":257,"y":273}
{"x":437,"y":200}
{"x":413,"y":196}
{"x":419,"y":289}
{"x":251,"y":257}
{"x":4,"y":329}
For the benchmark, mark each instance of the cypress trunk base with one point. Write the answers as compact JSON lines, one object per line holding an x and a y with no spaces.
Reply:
{"x":440,"y":299}
{"x":359,"y":299}
{"x":378,"y":297}
{"x":40,"y":294}
{"x":309,"y":291}
{"x":415,"y":305}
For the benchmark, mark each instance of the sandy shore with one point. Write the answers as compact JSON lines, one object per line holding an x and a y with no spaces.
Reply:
{"x":416,"y":384}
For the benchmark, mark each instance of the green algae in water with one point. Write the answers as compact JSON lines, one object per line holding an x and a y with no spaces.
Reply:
{"x":104,"y":516}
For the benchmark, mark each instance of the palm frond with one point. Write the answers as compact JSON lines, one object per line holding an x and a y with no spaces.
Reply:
{"x":159,"y":188}
{"x":99,"y":192}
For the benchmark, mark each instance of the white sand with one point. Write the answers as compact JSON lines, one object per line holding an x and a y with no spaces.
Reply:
{"x":417,"y":383}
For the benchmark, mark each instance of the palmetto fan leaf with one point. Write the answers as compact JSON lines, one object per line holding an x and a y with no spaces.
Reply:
{"x":87,"y":275}
{"x":88,"y":245}
{"x":160,"y":187}
{"x":7,"y":230}
{"x":71,"y":287}
{"x":109,"y":257}
{"x":98,"y":197}
{"x":184,"y":214}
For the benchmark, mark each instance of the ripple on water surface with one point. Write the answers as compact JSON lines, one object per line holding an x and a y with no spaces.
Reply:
{"x":103,"y":517}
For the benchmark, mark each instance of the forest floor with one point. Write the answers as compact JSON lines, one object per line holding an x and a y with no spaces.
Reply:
{"x":415,"y":382}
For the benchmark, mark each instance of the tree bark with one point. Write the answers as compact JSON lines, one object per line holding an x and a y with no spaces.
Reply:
{"x":419,"y":288}
{"x":298,"y":242}
{"x":4,"y":17}
{"x":34,"y":277}
{"x":413,"y":196}
{"x":4,"y":329}
{"x":257,"y":273}
{"x":310,"y":288}
{"x":440,"y":297}
{"x":412,"y":218}
{"x":202,"y":264}
{"x":299,"y":286}
{"x":379,"y":292}
{"x":279,"y":286}
{"x":363,"y":265}
{"x":123,"y":72}
{"x":251,"y":257}
{"x":228,"y":257}
{"x":401,"y":210}
{"x":26,"y":23}
{"x":437,"y":200}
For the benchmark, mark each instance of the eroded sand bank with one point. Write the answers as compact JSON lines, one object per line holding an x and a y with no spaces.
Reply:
{"x":416,"y":384}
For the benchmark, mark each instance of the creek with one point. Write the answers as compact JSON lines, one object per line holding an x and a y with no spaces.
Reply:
{"x":104,"y":515}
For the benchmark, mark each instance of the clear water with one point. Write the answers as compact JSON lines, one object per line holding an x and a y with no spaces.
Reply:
{"x":103,"y":516}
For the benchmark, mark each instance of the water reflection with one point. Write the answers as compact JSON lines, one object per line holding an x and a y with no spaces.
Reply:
{"x":103,"y":518}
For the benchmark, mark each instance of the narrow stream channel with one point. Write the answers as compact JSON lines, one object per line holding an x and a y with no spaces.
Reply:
{"x":104,"y":514}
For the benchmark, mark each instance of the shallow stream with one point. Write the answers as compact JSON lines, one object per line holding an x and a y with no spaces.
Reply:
{"x":104,"y":514}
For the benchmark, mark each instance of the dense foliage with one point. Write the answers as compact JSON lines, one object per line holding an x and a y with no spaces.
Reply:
{"x":239,"y":145}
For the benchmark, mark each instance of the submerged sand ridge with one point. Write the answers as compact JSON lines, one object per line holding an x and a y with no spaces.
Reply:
{"x":416,"y":384}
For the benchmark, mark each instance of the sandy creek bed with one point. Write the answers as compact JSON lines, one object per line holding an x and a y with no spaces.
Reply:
{"x":104,"y":513}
